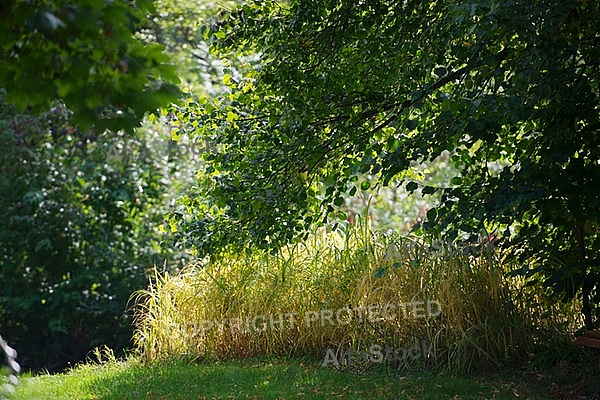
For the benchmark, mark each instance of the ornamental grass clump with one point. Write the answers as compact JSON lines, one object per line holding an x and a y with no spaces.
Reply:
{"x":339,"y":289}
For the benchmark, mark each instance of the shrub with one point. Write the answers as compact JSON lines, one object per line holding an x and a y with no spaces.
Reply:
{"x":78,"y":234}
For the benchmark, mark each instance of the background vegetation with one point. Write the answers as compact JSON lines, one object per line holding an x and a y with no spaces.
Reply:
{"x":84,"y":207}
{"x":336,"y":134}
{"x":79,"y":233}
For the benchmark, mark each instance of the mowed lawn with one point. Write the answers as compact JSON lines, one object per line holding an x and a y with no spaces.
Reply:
{"x":281,"y":379}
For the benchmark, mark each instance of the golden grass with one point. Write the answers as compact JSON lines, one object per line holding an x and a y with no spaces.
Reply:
{"x":486,"y":318}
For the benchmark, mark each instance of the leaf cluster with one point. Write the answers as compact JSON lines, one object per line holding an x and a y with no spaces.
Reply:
{"x":86,"y":54}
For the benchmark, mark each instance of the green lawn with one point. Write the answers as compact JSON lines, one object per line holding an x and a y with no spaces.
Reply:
{"x":252,"y":379}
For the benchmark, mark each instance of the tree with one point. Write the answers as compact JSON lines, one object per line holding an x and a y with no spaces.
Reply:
{"x":89,"y":55}
{"x":344,"y":89}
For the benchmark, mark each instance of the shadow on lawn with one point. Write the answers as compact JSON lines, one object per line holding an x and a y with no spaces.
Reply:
{"x":288,"y":379}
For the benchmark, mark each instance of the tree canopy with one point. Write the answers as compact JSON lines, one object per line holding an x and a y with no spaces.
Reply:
{"x":328,"y":96}
{"x":89,"y":55}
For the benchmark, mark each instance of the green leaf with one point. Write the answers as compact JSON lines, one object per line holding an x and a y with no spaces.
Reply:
{"x":411,"y":186}
{"x":440,"y":71}
{"x":431,"y":214}
{"x":411,"y":124}
{"x":428,"y":190}
{"x":381,"y":273}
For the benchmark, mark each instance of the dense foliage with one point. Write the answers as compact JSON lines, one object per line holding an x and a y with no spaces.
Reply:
{"x":83,"y":207}
{"x":344,"y":94}
{"x":79,"y":232}
{"x":88,"y":54}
